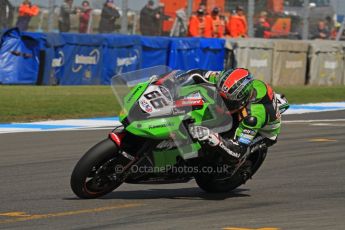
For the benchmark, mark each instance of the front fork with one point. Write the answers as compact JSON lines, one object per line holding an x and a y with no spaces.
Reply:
{"x":118,"y":137}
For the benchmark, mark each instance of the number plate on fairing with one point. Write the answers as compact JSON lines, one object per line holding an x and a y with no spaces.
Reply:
{"x":156,"y":100}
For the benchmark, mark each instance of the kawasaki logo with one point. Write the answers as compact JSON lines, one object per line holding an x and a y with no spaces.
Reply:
{"x":231,"y":153}
{"x":133,"y":94}
{"x":161,"y":126}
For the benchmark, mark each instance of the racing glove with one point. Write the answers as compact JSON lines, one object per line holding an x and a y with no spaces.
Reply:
{"x":205,"y":135}
{"x":229,"y":148}
{"x":206,"y":75}
{"x":212,"y":76}
{"x":282,"y":103}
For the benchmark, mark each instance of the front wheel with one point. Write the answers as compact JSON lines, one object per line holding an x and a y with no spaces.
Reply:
{"x":94,"y":175}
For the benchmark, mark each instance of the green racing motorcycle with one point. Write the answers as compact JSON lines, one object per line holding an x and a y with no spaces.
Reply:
{"x":154,"y":146}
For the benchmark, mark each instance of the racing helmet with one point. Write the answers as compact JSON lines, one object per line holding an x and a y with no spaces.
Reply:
{"x":235,"y":87}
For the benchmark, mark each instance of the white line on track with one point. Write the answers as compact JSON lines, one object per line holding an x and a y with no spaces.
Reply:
{"x":311,"y":121}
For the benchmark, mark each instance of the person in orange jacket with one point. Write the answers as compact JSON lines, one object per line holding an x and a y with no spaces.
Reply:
{"x":237,"y":25}
{"x":25,"y":13}
{"x":200,"y":25}
{"x":217,"y":27}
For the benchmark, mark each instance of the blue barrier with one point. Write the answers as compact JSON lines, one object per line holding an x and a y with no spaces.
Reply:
{"x":122,"y":54}
{"x":54,"y":63}
{"x":191,"y":53}
{"x":212,"y":53}
{"x":79,"y":59}
{"x":155,"y":51}
{"x":83,"y":60}
{"x":184,"y":53}
{"x":53,"y":59}
{"x":19,"y":58}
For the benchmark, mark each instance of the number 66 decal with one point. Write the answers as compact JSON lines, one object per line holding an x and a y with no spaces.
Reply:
{"x":155,"y":98}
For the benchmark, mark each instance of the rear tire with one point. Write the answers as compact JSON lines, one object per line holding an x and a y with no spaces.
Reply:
{"x":97,"y":156}
{"x":212,"y":183}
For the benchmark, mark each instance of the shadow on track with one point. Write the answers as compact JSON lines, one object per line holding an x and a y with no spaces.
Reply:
{"x":180,"y":193}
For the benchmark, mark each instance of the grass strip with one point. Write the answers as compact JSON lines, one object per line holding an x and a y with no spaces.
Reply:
{"x":32,"y":103}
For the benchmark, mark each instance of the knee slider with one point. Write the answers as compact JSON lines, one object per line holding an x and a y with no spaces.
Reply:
{"x":250,"y":121}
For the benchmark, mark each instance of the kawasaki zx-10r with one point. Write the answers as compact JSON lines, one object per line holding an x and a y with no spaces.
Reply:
{"x":153,"y":144}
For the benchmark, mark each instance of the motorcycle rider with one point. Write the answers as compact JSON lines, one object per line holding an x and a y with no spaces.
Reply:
{"x":256,"y":104}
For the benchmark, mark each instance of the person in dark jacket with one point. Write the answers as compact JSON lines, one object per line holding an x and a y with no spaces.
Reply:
{"x":84,"y":17}
{"x":25,"y":12}
{"x":321,"y":31}
{"x":262,"y":27}
{"x":64,"y":19}
{"x":149,"y":18}
{"x":108,"y":17}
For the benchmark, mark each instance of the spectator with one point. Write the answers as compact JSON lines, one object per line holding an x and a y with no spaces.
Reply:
{"x":223,"y":22}
{"x":161,"y":18}
{"x":321,"y":31}
{"x":335,"y":31}
{"x":6,"y":14}
{"x":330,"y":24}
{"x":200,"y":25}
{"x":84,"y":17}
{"x":217,"y":27}
{"x":237,"y":25}
{"x":180,"y":26}
{"x":149,"y":19}
{"x":66,"y":10}
{"x":262,"y":28}
{"x":25,"y":13}
{"x":108,"y":17}
{"x":202,"y":6}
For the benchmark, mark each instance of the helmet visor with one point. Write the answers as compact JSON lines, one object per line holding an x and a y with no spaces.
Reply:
{"x":240,"y":89}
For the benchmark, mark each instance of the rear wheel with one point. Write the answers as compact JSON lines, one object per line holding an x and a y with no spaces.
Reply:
{"x":94,"y":175}
{"x":216,"y":183}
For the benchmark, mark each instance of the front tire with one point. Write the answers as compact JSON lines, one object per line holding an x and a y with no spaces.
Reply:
{"x":87,"y":168}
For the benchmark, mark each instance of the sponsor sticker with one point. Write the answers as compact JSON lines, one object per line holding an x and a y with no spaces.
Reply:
{"x":244,"y":140}
{"x":231,"y":153}
{"x":247,"y":136}
{"x":145,"y":106}
{"x":249,"y":131}
{"x":259,"y":63}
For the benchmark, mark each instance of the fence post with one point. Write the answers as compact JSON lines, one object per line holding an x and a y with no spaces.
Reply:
{"x":124,"y":18}
{"x":306,"y":20}
{"x":251,"y":6}
{"x":51,"y":15}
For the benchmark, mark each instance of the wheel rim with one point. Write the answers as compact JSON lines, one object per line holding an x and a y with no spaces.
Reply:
{"x":102,"y":178}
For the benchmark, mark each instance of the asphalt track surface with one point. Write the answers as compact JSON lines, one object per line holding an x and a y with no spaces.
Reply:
{"x":300,"y":186}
